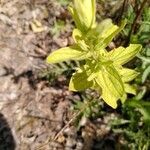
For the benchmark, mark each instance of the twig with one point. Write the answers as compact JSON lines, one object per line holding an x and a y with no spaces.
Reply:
{"x":61,"y":131}
{"x":135,"y":20}
{"x":123,"y":8}
{"x":136,"y":7}
{"x":71,"y":120}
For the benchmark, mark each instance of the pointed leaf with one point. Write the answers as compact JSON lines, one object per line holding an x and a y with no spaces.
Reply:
{"x":130,"y":89}
{"x":67,"y":53}
{"x":122,"y":55}
{"x":108,"y":33}
{"x":128,"y":74}
{"x":100,"y":29}
{"x":111,"y":84}
{"x":123,"y":98}
{"x":107,"y":95}
{"x":83,"y":14}
{"x":79,"y":81}
{"x":103,"y":26}
{"x":146,"y":73}
{"x":109,"y":98}
{"x":113,"y":81}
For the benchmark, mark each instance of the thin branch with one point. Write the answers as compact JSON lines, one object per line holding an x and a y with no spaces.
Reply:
{"x":136,"y":6}
{"x":123,"y":8}
{"x":61,"y":131}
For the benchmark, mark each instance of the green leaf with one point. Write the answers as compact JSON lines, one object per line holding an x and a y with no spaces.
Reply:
{"x":109,"y":98}
{"x":122,"y":55}
{"x":128,"y":74}
{"x":79,"y":40}
{"x":111,"y":84}
{"x":100,"y":69}
{"x":67,"y":53}
{"x":109,"y":31}
{"x":83,"y":14}
{"x":142,"y":106}
{"x":100,"y":29}
{"x":79,"y":81}
{"x":146,"y":73}
{"x":113,"y":81}
{"x":103,"y":26}
{"x":92,"y":76}
{"x":130,"y":89}
{"x":76,"y":35}
{"x":123,"y":98}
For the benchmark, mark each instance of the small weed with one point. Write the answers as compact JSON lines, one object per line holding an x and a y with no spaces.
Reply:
{"x":63,"y":2}
{"x":57,"y":28}
{"x":52,"y":72}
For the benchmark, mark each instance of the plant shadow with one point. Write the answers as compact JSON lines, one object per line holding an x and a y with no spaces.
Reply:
{"x":7,"y":141}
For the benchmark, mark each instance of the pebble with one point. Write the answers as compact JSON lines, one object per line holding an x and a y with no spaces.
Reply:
{"x":3,"y":71}
{"x":79,"y":145}
{"x":70,"y":143}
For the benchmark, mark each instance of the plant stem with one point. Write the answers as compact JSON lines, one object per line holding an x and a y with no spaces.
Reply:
{"x":123,"y":8}
{"x":138,"y":14}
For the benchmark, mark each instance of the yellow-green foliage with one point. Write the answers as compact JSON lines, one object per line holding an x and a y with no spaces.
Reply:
{"x":103,"y":70}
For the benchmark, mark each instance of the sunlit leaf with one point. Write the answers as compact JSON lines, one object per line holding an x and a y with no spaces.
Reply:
{"x":83,"y":14}
{"x":111,"y":84}
{"x":113,"y":81}
{"x":107,"y":96}
{"x":130,"y":89}
{"x":79,"y":81}
{"x":122,"y":55}
{"x":128,"y":74}
{"x":100,"y":29}
{"x":109,"y":31}
{"x":123,"y":98}
{"x":67,"y":53}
